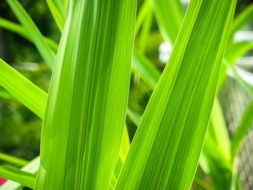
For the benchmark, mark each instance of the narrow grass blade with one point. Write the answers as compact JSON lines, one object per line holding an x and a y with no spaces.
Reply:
{"x":57,"y":13}
{"x":147,"y":70}
{"x":31,"y":167}
{"x":144,"y":11}
{"x":20,"y":30}
{"x":22,"y":89}
{"x":169,"y":15}
{"x":25,"y":178}
{"x":242,"y":130}
{"x":220,"y":132}
{"x":237,"y":50}
{"x":234,"y":54}
{"x":13,"y":159}
{"x":145,"y":31}
{"x":243,"y":19}
{"x":170,"y":136}
{"x":33,"y":32}
{"x":86,"y":110}
{"x":135,"y":117}
{"x":13,"y":27}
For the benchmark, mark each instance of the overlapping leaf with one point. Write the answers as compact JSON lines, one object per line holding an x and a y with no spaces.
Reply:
{"x":171,"y":133}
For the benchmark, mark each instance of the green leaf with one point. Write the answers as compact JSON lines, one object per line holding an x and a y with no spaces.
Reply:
{"x":20,"y":30}
{"x":86,"y":110}
{"x":32,"y":31}
{"x":243,"y":19}
{"x":22,"y":89}
{"x":147,"y":70}
{"x":144,"y":11}
{"x":13,"y":27}
{"x":242,"y":130}
{"x":170,"y":136}
{"x":145,"y":31}
{"x":237,"y":50}
{"x":31,"y":167}
{"x":135,"y":117}
{"x":217,"y":143}
{"x":57,"y":12}
{"x":25,"y":178}
{"x":12,"y":159}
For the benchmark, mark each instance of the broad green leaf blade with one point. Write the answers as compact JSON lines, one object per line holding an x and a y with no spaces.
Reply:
{"x":31,"y":167}
{"x":33,"y":32}
{"x":22,"y":89}
{"x":245,"y":124}
{"x":12,"y":159}
{"x":20,"y":30}
{"x":170,"y":136}
{"x":25,"y":178}
{"x":217,"y":144}
{"x":169,"y":15}
{"x":86,"y":110}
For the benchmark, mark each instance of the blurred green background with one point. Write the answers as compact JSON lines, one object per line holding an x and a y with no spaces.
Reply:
{"x":20,"y":128}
